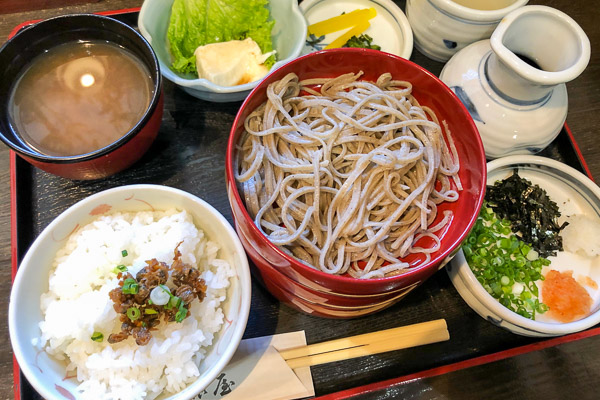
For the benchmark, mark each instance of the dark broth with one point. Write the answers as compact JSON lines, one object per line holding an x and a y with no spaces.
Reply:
{"x":79,"y":97}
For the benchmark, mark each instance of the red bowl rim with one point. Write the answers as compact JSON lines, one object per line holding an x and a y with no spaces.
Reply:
{"x":359,"y":52}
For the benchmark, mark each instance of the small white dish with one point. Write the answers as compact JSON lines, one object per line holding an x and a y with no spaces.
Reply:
{"x":389,"y":29}
{"x":288,"y":36}
{"x":574,"y":193}
{"x":47,"y":374}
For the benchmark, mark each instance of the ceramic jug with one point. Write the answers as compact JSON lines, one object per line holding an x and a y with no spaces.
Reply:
{"x":513,"y":85}
{"x":443,"y":27}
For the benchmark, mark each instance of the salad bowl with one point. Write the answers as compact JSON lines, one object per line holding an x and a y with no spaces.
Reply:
{"x":288,"y":35}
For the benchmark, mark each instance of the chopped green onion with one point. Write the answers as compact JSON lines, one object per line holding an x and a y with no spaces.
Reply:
{"x":174,"y":302}
{"x":181,"y":313}
{"x":130,"y":286}
{"x":160,"y":295}
{"x":545,"y":261}
{"x":97,"y":337}
{"x":150,"y":311}
{"x":532,"y":255}
{"x":124,"y":253}
{"x":520,"y":261}
{"x":499,"y":260}
{"x":120,"y":268}
{"x":133,"y":313}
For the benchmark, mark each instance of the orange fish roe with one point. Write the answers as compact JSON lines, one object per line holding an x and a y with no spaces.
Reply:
{"x":587,"y":281}
{"x":567,"y":300}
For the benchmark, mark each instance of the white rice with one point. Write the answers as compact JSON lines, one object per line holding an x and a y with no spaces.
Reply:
{"x":77,"y":304}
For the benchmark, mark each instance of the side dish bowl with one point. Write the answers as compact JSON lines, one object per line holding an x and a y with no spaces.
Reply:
{"x":289,"y":34}
{"x":47,"y":375}
{"x":389,"y":29}
{"x":574,"y":193}
{"x":342,"y":296}
{"x":18,"y":52}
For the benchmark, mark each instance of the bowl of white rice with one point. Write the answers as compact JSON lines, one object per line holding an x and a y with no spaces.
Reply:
{"x":61,"y":315}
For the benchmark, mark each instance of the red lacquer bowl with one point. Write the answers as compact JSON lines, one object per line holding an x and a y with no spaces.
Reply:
{"x":311,"y":290}
{"x":15,"y":56}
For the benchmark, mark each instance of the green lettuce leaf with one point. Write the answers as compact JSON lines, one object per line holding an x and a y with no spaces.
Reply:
{"x":195,"y":23}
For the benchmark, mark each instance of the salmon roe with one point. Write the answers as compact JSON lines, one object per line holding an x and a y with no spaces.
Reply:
{"x":566,"y":298}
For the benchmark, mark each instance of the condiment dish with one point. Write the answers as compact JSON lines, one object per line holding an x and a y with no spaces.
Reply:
{"x":48,"y":375}
{"x":15,"y":58}
{"x":575,"y":194}
{"x":389,"y":29}
{"x":288,"y":37}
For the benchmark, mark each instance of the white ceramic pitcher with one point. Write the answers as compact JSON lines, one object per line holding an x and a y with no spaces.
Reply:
{"x":514,"y":84}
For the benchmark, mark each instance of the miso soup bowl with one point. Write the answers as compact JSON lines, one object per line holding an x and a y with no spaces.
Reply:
{"x":15,"y":57}
{"x":322,"y":294}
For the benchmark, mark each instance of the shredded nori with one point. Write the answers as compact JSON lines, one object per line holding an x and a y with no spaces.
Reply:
{"x":532,"y":214}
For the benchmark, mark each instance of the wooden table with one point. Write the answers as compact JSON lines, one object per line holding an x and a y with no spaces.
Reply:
{"x":569,"y":370}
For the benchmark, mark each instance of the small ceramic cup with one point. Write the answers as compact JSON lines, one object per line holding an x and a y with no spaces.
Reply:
{"x":443,"y":27}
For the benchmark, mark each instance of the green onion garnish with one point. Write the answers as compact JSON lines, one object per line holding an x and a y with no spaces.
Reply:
{"x":499,"y":260}
{"x":124,"y":253}
{"x":97,"y":336}
{"x":181,"y":313}
{"x":120,"y":268}
{"x":133,"y":313}
{"x":130,"y":286}
{"x":150,"y":311}
{"x":174,"y":302}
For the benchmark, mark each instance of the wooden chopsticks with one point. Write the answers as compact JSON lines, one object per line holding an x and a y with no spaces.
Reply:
{"x":370,"y":343}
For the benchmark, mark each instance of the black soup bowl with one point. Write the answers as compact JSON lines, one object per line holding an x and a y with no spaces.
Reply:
{"x":16,"y":56}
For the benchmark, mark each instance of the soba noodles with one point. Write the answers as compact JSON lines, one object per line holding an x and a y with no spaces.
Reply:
{"x":347,"y":179}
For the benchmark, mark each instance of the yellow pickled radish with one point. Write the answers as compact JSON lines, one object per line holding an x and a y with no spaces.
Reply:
{"x":341,"y":22}
{"x":355,"y":31}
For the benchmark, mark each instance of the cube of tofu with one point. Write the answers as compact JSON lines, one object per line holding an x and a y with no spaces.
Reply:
{"x":231,"y":63}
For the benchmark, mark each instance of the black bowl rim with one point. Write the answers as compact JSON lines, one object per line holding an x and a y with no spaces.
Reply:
{"x":154,"y":71}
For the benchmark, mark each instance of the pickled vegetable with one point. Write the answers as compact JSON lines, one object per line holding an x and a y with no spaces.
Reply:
{"x":355,"y":31}
{"x":341,"y":22}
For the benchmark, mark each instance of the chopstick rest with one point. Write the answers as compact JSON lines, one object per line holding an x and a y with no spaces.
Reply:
{"x":367,"y":344}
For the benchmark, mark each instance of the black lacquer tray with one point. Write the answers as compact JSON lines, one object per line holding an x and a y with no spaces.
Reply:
{"x":189,"y":154}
